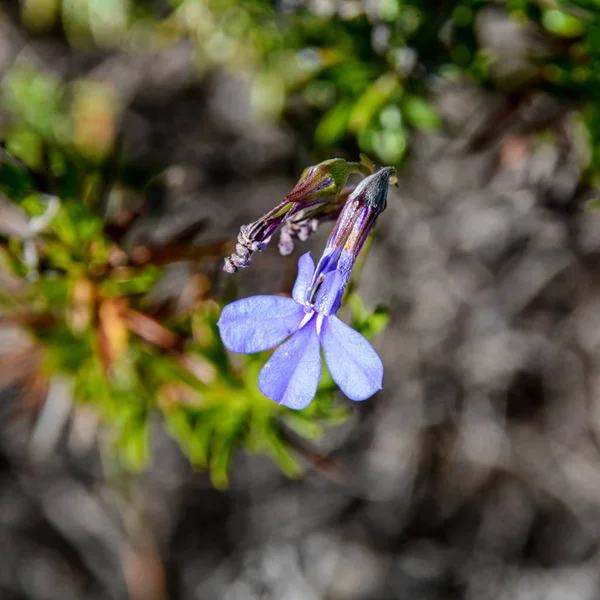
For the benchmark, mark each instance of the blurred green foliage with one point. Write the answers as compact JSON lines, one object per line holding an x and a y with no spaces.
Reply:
{"x":86,"y":300}
{"x":89,"y":312}
{"x":359,"y":72}
{"x":359,"y":69}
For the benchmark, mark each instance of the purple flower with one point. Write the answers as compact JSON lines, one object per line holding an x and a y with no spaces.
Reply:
{"x":353,"y":226}
{"x":292,"y":374}
{"x":309,"y":320}
{"x":305,"y":222}
{"x":318,"y":189}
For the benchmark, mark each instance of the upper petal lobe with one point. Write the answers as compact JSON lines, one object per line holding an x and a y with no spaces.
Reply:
{"x":351,"y":360}
{"x":258,"y":323}
{"x":292,"y":374}
{"x":329,"y":295}
{"x":306,"y":268}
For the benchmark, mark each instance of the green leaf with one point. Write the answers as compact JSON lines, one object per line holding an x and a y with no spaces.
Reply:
{"x":368,"y":324}
{"x":378,"y":320}
{"x":371,"y":101}
{"x":303,"y":426}
{"x":420,"y":113}
{"x":220,"y":459}
{"x":133,"y":445}
{"x":25,"y":144}
{"x":36,"y":98}
{"x":66,"y":352}
{"x":128,"y":282}
{"x":356,"y":305}
{"x":336,"y":415}
{"x":282,"y":454}
{"x":76,"y":226}
{"x":333,"y":125}
{"x":562,"y":23}
{"x":390,"y":145}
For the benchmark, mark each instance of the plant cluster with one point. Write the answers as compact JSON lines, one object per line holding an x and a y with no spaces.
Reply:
{"x":355,"y":74}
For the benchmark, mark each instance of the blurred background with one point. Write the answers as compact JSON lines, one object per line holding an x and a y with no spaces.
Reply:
{"x":139,"y":460}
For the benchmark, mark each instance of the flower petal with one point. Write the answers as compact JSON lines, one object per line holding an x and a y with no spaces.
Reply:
{"x":258,"y":323}
{"x":329,"y":295}
{"x":351,"y":360}
{"x":292,"y":374}
{"x":306,"y":268}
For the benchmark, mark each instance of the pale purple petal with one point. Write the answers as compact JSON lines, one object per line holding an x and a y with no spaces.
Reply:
{"x":258,"y":323}
{"x":306,"y":268}
{"x":292,"y":374}
{"x":329,"y":295}
{"x":353,"y":363}
{"x":328,"y":260}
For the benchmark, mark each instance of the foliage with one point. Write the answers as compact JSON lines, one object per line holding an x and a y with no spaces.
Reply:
{"x":89,"y":310}
{"x":358,"y":72}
